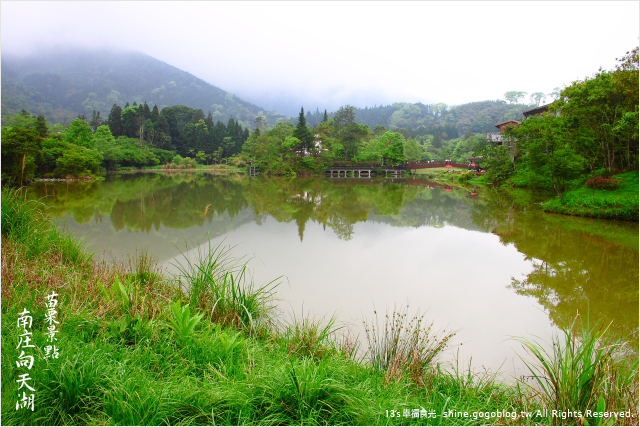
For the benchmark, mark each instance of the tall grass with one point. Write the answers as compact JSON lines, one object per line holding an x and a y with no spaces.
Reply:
{"x":582,"y":371}
{"x":405,"y":344}
{"x":310,"y":337}
{"x":218,"y":284}
{"x":25,"y":223}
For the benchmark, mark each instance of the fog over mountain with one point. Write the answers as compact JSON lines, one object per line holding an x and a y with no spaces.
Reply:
{"x":283,"y":55}
{"x":61,"y":83}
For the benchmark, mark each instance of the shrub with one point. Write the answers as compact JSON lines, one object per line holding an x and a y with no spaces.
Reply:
{"x":78,"y":161}
{"x":603,"y":183}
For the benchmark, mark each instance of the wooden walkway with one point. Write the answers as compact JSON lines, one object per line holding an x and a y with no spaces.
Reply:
{"x":363,"y":171}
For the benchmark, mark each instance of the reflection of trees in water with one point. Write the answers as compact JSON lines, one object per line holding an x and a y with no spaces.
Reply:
{"x":575,"y":269}
{"x":341,"y":204}
{"x":142,"y":201}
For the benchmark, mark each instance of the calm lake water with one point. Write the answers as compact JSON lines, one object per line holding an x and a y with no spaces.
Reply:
{"x":490,"y":265}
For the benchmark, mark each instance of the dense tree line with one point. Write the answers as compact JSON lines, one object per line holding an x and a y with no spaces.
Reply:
{"x":180,"y":128}
{"x":287,"y":148}
{"x":136,"y":136}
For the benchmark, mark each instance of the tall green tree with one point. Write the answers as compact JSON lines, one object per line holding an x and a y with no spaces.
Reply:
{"x":96,"y":120}
{"x":41,"y":127}
{"x":303,"y":133}
{"x":79,"y":133}
{"x":115,"y":120}
{"x":104,"y":133}
{"x":344,"y":117}
{"x":546,"y":146}
{"x":537,"y":98}
{"x":129,"y":120}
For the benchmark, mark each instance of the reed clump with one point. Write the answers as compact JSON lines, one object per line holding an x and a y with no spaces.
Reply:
{"x":583,"y":372}
{"x":310,"y":337}
{"x":404,"y":344}
{"x":218,"y":284}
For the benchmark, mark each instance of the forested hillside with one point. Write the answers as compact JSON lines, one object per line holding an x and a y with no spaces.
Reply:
{"x":476,"y":117}
{"x":59,"y":85}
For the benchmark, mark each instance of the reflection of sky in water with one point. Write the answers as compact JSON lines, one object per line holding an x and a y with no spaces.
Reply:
{"x":459,"y":277}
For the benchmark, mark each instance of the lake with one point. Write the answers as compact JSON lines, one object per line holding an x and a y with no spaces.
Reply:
{"x":486,"y":263}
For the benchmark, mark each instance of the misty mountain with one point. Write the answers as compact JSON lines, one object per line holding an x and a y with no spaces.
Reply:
{"x":62,"y":84}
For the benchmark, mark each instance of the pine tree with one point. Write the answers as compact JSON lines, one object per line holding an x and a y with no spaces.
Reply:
{"x":209,"y":121}
{"x":41,"y":126}
{"x":325,"y":118}
{"x":155,"y":114}
{"x":115,"y":121}
{"x":147,"y":111}
{"x":302,"y":131}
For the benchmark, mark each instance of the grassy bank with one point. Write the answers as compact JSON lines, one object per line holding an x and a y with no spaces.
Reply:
{"x":206,"y":347}
{"x":620,"y":203}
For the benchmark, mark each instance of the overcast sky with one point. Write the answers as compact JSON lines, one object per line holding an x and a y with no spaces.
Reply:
{"x":328,"y":54}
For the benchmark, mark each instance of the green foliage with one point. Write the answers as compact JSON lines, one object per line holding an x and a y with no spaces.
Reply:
{"x":181,"y":321}
{"x":497,"y":163}
{"x":104,"y":133}
{"x":52,"y":149}
{"x":602,"y":205}
{"x":289,"y":146}
{"x":79,"y":133}
{"x":392,"y":148}
{"x":25,"y":223}
{"x":78,"y":161}
{"x":573,"y":376}
{"x":303,"y":133}
{"x":547,"y":150}
{"x":344,"y":117}
{"x":217,"y":284}
{"x":128,"y":152}
{"x":179,"y":162}
{"x":603,"y":110}
{"x":20,"y":153}
{"x":413,"y":151}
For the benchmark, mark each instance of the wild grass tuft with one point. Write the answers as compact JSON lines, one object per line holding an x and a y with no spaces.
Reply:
{"x":218,"y":284}
{"x":582,"y":371}
{"x":310,"y":337}
{"x":406,"y":344}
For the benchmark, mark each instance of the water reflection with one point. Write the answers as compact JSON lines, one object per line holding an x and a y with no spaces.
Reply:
{"x":584,"y":265}
{"x":571,"y":263}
